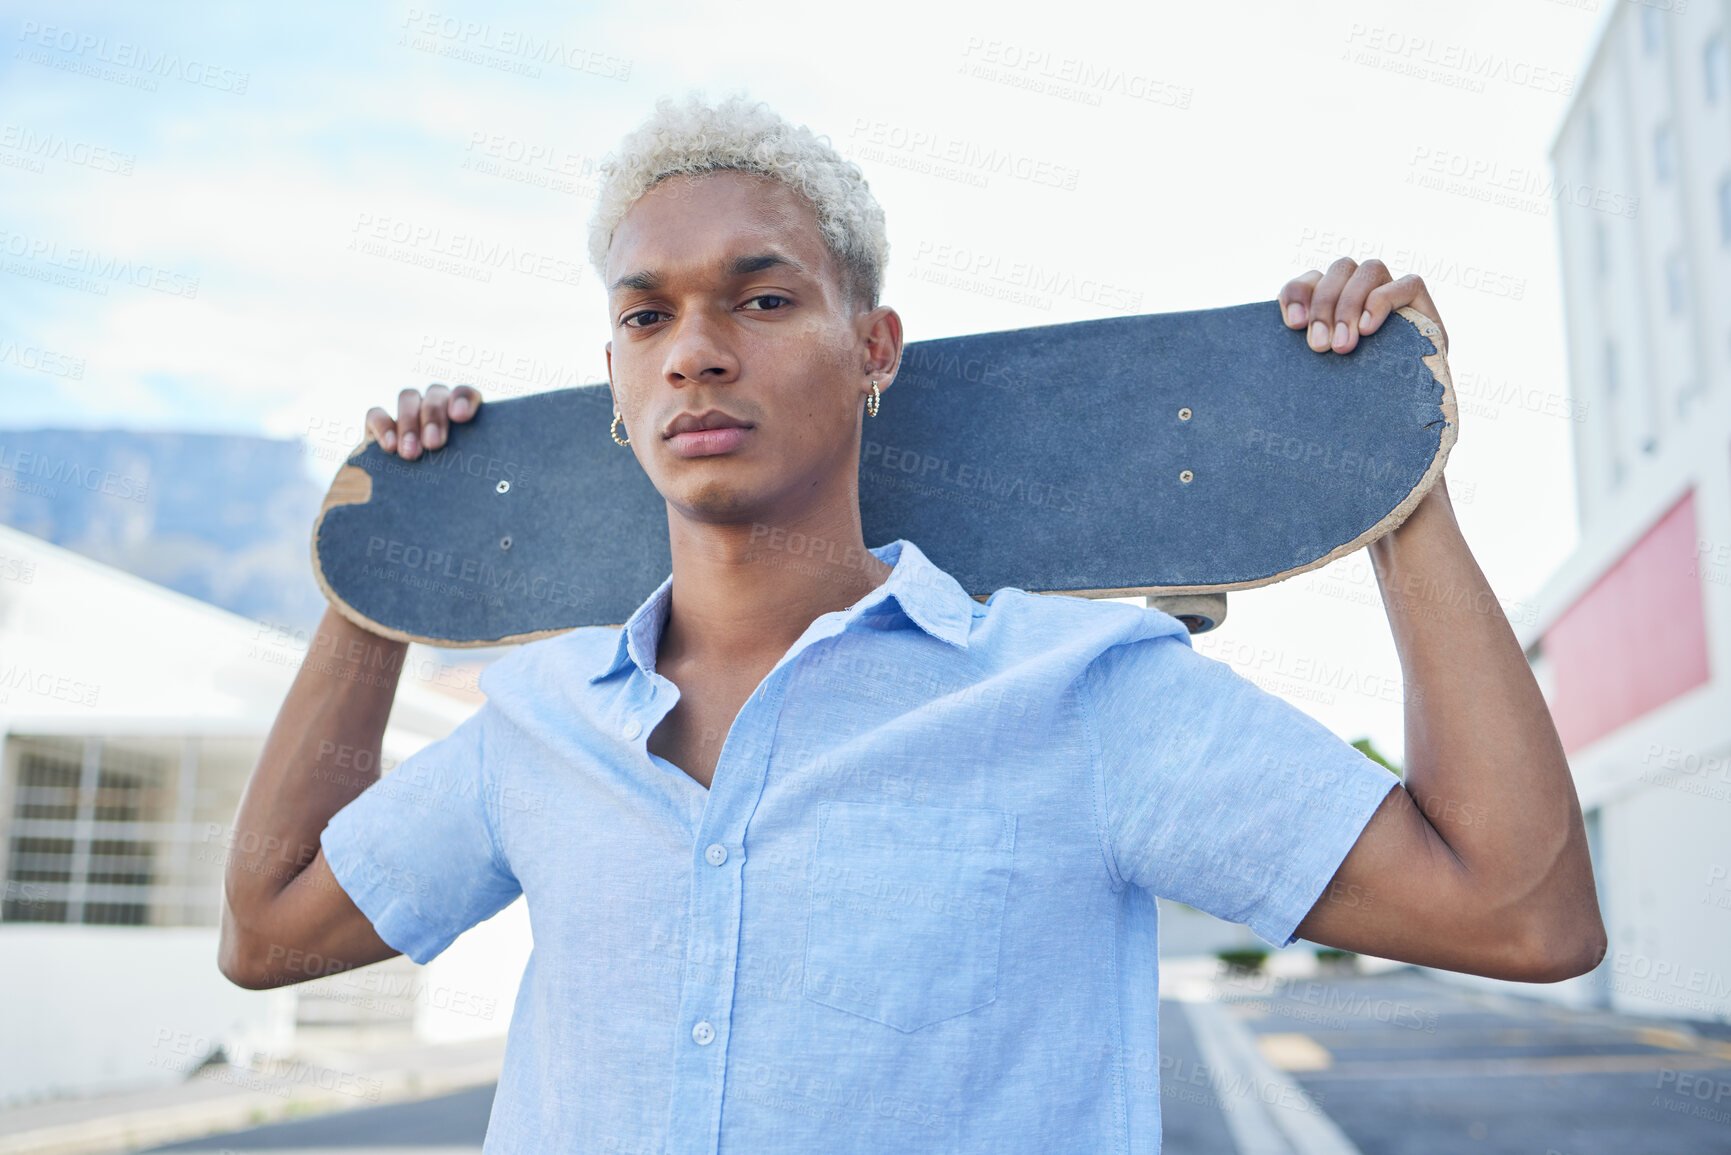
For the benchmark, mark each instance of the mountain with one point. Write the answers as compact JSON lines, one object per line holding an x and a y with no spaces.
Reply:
{"x":223,"y":518}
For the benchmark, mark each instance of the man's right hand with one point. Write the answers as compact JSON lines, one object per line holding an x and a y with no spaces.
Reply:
{"x":421,"y":422}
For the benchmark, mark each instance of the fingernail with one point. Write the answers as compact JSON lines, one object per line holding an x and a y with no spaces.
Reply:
{"x":1318,"y":335}
{"x":1341,"y":333}
{"x":389,"y":440}
{"x":430,"y":436}
{"x":1295,"y":314}
{"x":460,"y":408}
{"x":409,"y":443}
{"x":1364,"y":321}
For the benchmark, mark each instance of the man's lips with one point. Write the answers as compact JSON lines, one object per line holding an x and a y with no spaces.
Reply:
{"x":706,"y":434}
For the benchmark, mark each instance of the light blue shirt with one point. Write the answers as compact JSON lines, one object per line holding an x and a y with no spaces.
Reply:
{"x":913,"y":913}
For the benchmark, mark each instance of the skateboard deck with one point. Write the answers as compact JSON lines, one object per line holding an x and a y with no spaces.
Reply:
{"x":1170,"y":455}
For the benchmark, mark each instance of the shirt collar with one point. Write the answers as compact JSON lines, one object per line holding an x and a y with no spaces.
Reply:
{"x":930,"y":597}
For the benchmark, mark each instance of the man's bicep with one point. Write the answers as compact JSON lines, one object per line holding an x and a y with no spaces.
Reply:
{"x":1401,"y":893}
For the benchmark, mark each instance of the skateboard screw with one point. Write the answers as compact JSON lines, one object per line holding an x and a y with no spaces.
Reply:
{"x":1184,"y":413}
{"x":502,"y":487}
{"x":1186,"y":477}
{"x":505,"y":542}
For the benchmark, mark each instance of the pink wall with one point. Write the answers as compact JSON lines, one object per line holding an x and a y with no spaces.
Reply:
{"x":1633,"y":641}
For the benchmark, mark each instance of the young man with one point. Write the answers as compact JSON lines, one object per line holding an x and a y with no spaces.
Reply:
{"x":819,"y":852}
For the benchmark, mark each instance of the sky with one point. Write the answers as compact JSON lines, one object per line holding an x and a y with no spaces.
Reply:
{"x":239,"y":218}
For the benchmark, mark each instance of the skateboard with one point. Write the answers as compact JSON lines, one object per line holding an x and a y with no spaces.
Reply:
{"x":1176,"y":456}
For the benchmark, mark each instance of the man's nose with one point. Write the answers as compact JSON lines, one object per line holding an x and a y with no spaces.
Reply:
{"x":699,"y":353}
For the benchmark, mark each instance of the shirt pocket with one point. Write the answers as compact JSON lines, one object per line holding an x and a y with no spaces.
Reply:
{"x":907,"y":909}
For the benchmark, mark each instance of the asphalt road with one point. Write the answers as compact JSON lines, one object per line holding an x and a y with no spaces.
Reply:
{"x":1408,"y":1065}
{"x":1403,"y":1063}
{"x":450,"y":1124}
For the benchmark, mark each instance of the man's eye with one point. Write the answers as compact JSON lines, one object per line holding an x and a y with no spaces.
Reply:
{"x":782,"y":302}
{"x":629,"y":318}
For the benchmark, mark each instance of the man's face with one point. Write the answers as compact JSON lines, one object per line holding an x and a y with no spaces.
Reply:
{"x":723,"y":297}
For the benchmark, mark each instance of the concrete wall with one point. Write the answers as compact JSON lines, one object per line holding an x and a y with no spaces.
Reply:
{"x":1646,"y":271}
{"x":90,"y":1009}
{"x":469,"y":991}
{"x":1668,"y":899}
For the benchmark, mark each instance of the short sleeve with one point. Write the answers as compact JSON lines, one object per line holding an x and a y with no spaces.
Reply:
{"x":1218,"y":794}
{"x":417,"y":850}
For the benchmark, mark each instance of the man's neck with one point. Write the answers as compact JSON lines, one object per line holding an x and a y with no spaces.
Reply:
{"x":745,"y":593}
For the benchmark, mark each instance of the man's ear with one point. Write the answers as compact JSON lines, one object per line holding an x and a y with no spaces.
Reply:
{"x":883,"y":344}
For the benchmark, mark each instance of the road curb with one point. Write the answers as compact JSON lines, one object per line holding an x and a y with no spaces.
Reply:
{"x":1267,"y":1112}
{"x":273,"y":1101}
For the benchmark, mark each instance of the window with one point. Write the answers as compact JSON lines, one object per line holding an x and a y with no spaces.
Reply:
{"x":1713,"y":67}
{"x":1652,"y":29}
{"x":1662,"y":154}
{"x":1725,"y":210}
{"x":1601,"y":248}
{"x":1676,"y":281}
{"x":1591,"y":133}
{"x":75,"y":851}
{"x":1611,"y":382}
{"x":39,"y":869}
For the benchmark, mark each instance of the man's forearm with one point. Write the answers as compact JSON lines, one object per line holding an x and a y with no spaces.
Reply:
{"x":322,"y":751}
{"x":1483,"y":760}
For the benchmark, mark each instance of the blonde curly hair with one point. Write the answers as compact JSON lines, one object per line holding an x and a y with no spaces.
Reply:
{"x":746,"y":136}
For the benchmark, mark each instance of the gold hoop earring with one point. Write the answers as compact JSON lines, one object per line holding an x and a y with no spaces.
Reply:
{"x":872,"y":401}
{"x":613,"y":430}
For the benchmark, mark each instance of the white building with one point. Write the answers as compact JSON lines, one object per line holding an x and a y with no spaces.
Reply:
{"x":130,"y":719}
{"x":1633,"y":640}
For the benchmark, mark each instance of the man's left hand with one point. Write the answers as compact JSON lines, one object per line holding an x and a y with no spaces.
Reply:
{"x":1350,"y":299}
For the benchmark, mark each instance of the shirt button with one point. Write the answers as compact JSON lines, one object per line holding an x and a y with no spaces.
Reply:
{"x":717,"y":854}
{"x":632,"y":729}
{"x":703,"y":1033}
